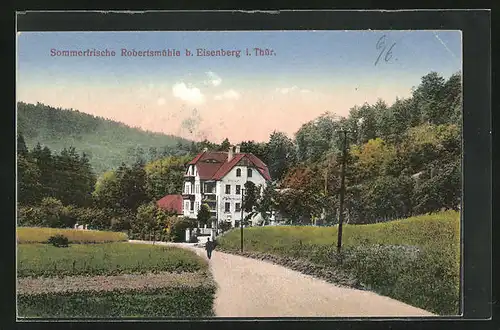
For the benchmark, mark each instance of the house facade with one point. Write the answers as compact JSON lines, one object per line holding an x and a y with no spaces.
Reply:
{"x":218,"y":178}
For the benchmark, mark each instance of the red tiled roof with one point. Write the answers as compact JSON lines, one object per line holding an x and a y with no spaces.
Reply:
{"x":224,"y":169}
{"x":217,"y":170}
{"x":171,"y":203}
{"x":195,"y":159}
{"x":207,"y":169}
{"x":261,"y":167}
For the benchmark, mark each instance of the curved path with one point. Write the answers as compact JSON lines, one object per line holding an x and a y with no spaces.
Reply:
{"x":255,"y":288}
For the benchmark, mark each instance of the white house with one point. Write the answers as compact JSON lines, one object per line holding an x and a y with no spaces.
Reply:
{"x":217,"y":179}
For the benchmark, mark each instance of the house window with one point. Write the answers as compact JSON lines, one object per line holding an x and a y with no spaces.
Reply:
{"x":227,"y":207}
{"x":191,"y":206}
{"x":238,"y":172}
{"x":187,"y":188}
{"x":237,"y":207}
{"x":186,"y":205}
{"x":197,"y":206}
{"x":228,"y":189}
{"x":238,"y":189}
{"x":249,"y":172}
{"x":197,"y":188}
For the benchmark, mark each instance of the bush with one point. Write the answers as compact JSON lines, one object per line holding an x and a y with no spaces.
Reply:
{"x":225,"y":226}
{"x":178,"y":229}
{"x":58,"y":240}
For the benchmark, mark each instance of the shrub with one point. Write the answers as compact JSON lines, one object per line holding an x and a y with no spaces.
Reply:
{"x":58,"y":240}
{"x":178,"y":229}
{"x":29,"y":216}
{"x":225,"y":226}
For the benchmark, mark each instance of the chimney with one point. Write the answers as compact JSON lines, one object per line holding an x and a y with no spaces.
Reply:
{"x":230,"y":153}
{"x":205,"y":149}
{"x":238,"y":150}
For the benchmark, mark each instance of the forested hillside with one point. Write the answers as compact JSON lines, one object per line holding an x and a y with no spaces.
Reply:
{"x":105,"y":142}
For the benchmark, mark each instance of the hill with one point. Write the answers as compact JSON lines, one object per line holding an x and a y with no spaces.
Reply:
{"x":107,"y":143}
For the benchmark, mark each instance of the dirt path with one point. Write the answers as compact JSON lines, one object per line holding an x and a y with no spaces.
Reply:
{"x":255,"y":288}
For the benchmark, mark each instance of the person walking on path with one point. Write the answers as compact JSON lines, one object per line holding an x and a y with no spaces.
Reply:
{"x":209,"y":246}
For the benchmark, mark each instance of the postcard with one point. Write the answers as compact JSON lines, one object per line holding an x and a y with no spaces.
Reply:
{"x":251,"y":174}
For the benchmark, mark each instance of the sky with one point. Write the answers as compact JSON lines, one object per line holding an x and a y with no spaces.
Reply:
{"x":305,"y":74}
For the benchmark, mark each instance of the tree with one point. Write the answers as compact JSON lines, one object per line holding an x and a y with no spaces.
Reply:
{"x":302,"y":195}
{"x":318,"y":137}
{"x":267,"y":202}
{"x":28,"y":181}
{"x":256,"y":148}
{"x":150,"y":221}
{"x":225,"y":145}
{"x":165,"y":176}
{"x":132,"y":186}
{"x":106,"y":193}
{"x":22,"y":149}
{"x":429,"y":97}
{"x":203,"y":214}
{"x":372,"y":158}
{"x":280,"y":154}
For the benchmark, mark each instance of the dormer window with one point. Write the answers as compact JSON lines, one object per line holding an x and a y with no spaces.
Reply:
{"x":238,"y":172}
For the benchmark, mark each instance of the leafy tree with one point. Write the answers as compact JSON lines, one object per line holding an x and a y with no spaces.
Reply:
{"x":165,"y":176}
{"x":150,"y":220}
{"x":373,"y":157}
{"x":132,"y":186}
{"x":203,"y":214}
{"x":316,"y":138}
{"x":429,"y":97}
{"x":251,"y":196}
{"x":256,"y":148}
{"x":280,"y":154}
{"x":53,"y":211}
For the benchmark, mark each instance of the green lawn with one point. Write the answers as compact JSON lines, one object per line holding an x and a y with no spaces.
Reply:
{"x":104,"y":259}
{"x":415,"y":260}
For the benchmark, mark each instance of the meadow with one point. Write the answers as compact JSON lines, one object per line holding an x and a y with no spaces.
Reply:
{"x":414,"y":260}
{"x":109,"y":280}
{"x":104,"y":259}
{"x":26,"y":235}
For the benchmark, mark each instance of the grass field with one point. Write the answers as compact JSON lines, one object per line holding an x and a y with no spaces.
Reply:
{"x":28,"y":235}
{"x":415,"y":260}
{"x":108,"y":280}
{"x":104,"y":259}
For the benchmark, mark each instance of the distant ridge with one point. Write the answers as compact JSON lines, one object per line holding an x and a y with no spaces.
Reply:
{"x":108,"y":143}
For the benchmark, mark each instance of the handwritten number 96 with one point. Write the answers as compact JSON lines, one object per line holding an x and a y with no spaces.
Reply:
{"x":382,"y":46}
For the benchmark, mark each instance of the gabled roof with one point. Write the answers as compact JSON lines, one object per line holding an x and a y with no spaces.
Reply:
{"x":214,"y":165}
{"x":171,"y":203}
{"x":227,"y":166}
